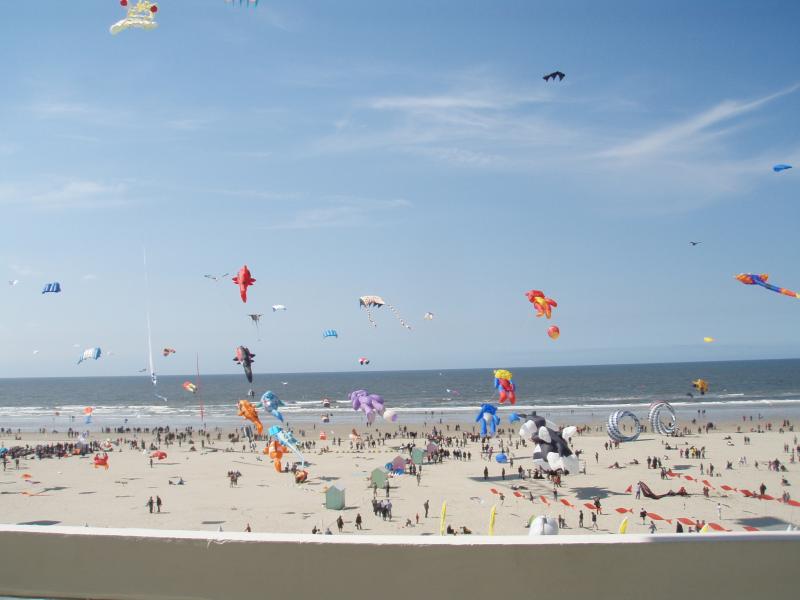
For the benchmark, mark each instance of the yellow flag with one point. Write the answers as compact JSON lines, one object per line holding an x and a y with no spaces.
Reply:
{"x":623,"y":527}
{"x":491,"y":519}
{"x":704,"y":528}
{"x":444,"y":516}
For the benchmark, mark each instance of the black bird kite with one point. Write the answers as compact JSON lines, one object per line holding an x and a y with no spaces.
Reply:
{"x":553,"y":76}
{"x":695,"y":243}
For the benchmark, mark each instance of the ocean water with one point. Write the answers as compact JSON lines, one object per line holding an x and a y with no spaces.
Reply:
{"x":572,"y":394}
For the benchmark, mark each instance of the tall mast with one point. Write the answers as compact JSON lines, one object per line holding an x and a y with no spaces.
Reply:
{"x":153,"y":376}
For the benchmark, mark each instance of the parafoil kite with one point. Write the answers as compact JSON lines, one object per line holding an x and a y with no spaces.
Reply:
{"x":553,"y":332}
{"x":656,"y":424}
{"x":544,"y":306}
{"x":551,"y":452}
{"x":52,"y":288}
{"x":505,"y":386}
{"x":428,"y":316}
{"x":330,"y":333}
{"x":701,"y":385}
{"x":245,"y":358}
{"x":753,"y":279}
{"x":488,"y":418}
{"x":363,"y":361}
{"x":277,"y":307}
{"x":369,"y":404}
{"x":249,"y":412}
{"x":613,"y":426}
{"x":708,"y":340}
{"x":244,"y":280}
{"x":370,"y":302}
{"x":190,"y":387}
{"x":90,"y":354}
{"x":781,"y":167}
{"x":101,"y":460}
{"x":271,"y":402}
{"x":168,"y":351}
{"x":141,"y":15}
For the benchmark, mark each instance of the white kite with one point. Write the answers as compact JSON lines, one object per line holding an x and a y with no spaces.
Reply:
{"x":141,"y":15}
{"x":277,"y":307}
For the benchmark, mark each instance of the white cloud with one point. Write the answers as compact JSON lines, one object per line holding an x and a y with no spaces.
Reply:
{"x":65,"y":194}
{"x":342,"y":211}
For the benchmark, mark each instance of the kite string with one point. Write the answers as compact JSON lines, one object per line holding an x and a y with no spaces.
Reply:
{"x":399,"y":318}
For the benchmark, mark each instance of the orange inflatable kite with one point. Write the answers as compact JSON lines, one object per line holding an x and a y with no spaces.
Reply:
{"x":544,"y":306}
{"x":101,"y":460}
{"x":249,"y":412}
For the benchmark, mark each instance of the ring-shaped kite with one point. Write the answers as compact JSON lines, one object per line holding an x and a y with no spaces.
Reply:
{"x":614,"y":431}
{"x":656,"y":424}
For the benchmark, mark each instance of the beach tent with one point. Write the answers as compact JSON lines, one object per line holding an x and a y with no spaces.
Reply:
{"x":417,"y":456}
{"x":378,"y":478}
{"x":334,"y":498}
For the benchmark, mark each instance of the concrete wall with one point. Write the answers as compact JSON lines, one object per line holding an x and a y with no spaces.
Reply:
{"x":69,"y":562}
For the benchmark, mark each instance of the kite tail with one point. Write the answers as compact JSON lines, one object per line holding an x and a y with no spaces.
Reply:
{"x":371,"y":320}
{"x":778,"y":290}
{"x":399,"y":318}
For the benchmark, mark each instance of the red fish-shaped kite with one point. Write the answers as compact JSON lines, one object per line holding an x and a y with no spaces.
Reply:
{"x":243,"y":279}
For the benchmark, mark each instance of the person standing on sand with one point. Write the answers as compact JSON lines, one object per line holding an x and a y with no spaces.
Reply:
{"x":419,"y":477}
{"x":426,"y":506}
{"x":485,"y":473}
{"x":597,"y":505}
{"x":247,"y":529}
{"x":149,"y":504}
{"x":387,"y":488}
{"x":580,"y":519}
{"x":594,"y":520}
{"x":652,"y":527}
{"x":158,"y":503}
{"x":358,"y":521}
{"x":151,"y":462}
{"x":374,"y":489}
{"x":340,"y":523}
{"x":719,"y":511}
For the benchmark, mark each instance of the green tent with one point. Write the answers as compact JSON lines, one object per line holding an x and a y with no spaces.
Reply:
{"x":378,"y":477}
{"x":334,"y":498}
{"x":418,"y":456}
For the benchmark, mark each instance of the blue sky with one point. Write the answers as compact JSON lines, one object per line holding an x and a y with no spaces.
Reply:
{"x":406,"y":149}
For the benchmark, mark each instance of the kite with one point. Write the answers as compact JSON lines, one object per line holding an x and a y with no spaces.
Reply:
{"x":390,"y":415}
{"x":781,"y":167}
{"x":428,"y":316}
{"x":277,"y":307}
{"x":101,"y":460}
{"x":369,"y":404}
{"x":453,"y":392}
{"x":275,"y":451}
{"x":256,"y":319}
{"x":753,"y":279}
{"x":245,"y":358}
{"x":487,"y":416}
{"x":554,"y":332}
{"x":551,"y":452}
{"x":543,"y":526}
{"x":544,"y":306}
{"x":158,"y":454}
{"x":248,"y":3}
{"x":363,"y":361}
{"x":190,"y":387}
{"x":271,"y":402}
{"x":654,"y":417}
{"x":287,"y":440}
{"x":701,"y":385}
{"x":90,"y":353}
{"x":168,"y":351}
{"x":13,"y":282}
{"x":52,"y":288}
{"x":249,"y":412}
{"x":694,"y":243}
{"x":505,"y":386}
{"x":244,"y":280}
{"x":370,"y":302}
{"x":141,"y":15}
{"x":554,"y":75}
{"x":614,"y":431}
{"x":708,"y":340}
{"x":36,"y":352}
{"x":648,"y":493}
{"x":330,"y":333}
{"x":216,"y":278}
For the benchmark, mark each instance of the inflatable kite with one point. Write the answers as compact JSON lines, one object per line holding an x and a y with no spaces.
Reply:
{"x":648,"y":493}
{"x":287,"y":441}
{"x":656,"y":424}
{"x":52,"y":288}
{"x":701,"y":385}
{"x":190,"y":387}
{"x":370,"y":302}
{"x":753,"y":279}
{"x":708,"y":340}
{"x":369,"y":404}
{"x":505,"y":386}
{"x":363,"y":361}
{"x":781,"y":167}
{"x":168,"y":351}
{"x":390,"y":415}
{"x":249,"y":412}
{"x":488,"y":418}
{"x":613,"y":428}
{"x":271,"y":403}
{"x":543,"y":526}
{"x":275,"y":451}
{"x":330,"y":333}
{"x":277,"y":307}
{"x":553,"y":332}
{"x":101,"y":460}
{"x":141,"y":15}
{"x":90,"y":354}
{"x":544,"y":306}
{"x":428,"y":316}
{"x":158,"y":454}
{"x":245,"y":358}
{"x":256,"y":319}
{"x":551,"y":452}
{"x":244,"y":280}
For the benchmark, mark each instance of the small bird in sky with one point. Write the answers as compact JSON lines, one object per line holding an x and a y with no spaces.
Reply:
{"x":695,"y":243}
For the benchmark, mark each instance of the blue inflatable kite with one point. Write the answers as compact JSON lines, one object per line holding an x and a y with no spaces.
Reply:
{"x":330,"y":333}
{"x":488,"y":416}
{"x":52,"y":288}
{"x":781,"y":167}
{"x":271,"y":403}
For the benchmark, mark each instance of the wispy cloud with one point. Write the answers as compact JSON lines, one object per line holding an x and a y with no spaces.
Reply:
{"x":341,"y":211}
{"x":677,"y":134}
{"x":65,"y":194}
{"x":89,"y":277}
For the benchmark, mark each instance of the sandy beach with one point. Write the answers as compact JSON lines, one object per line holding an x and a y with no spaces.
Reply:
{"x":69,"y":491}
